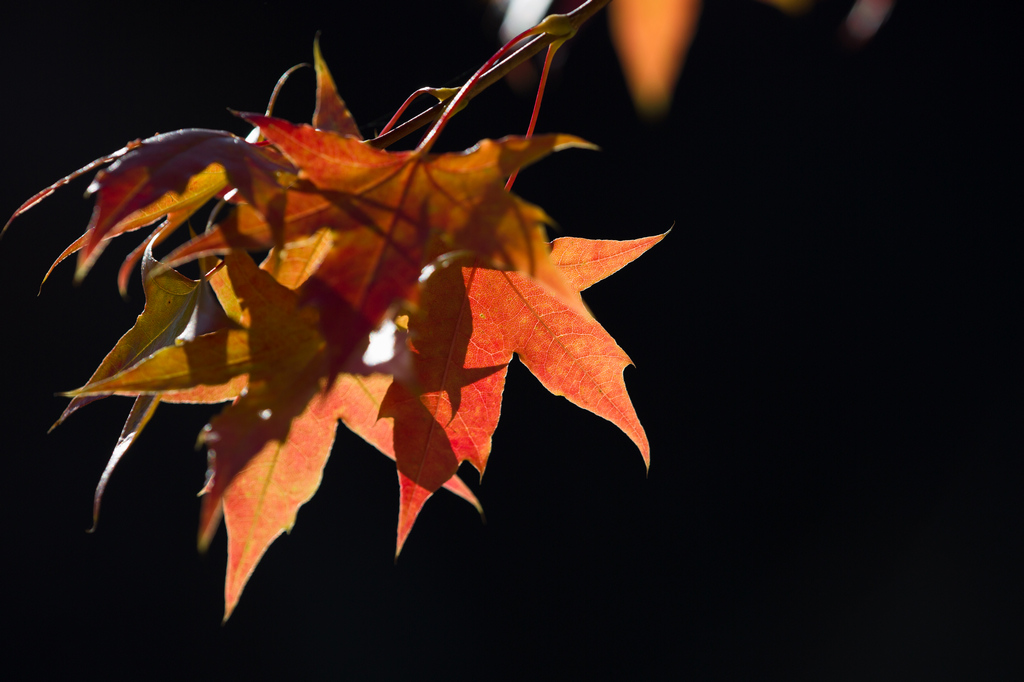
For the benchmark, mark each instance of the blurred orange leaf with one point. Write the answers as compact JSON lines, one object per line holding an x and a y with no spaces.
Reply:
{"x":652,"y":38}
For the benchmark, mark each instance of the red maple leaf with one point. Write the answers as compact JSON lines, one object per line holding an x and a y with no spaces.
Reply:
{"x":472,"y":320}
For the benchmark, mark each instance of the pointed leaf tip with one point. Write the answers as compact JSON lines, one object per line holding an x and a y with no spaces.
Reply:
{"x":331,"y":111}
{"x":42,"y":194}
{"x":164,"y":168}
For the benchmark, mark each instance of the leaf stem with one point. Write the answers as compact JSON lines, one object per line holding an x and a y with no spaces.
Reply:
{"x":452,"y":107}
{"x":536,"y":104}
{"x":495,"y":71}
{"x":442,"y":95}
{"x":280,"y":84}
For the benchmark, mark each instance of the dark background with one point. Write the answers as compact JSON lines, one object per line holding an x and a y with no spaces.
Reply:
{"x":823,"y":345}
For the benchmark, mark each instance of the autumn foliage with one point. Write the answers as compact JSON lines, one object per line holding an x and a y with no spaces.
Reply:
{"x":395,"y":289}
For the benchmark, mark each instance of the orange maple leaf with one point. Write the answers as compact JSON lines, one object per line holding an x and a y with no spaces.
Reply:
{"x":472,"y":321}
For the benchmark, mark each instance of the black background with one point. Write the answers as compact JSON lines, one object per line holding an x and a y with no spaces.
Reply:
{"x":823,"y":351}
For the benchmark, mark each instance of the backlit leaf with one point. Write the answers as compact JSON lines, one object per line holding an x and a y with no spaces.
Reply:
{"x":264,"y":497}
{"x":165,"y":164}
{"x":473,"y":320}
{"x":176,"y":307}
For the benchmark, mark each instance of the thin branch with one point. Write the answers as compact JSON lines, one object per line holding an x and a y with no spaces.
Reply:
{"x":577,"y":18}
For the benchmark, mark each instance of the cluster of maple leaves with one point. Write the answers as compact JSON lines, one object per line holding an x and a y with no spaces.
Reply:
{"x":396,"y":288}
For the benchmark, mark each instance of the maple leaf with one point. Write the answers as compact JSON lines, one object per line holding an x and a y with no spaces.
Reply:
{"x":166,"y":176}
{"x":472,"y":321}
{"x":264,"y":497}
{"x":177,"y":208}
{"x":177,"y":308}
{"x":276,"y":343}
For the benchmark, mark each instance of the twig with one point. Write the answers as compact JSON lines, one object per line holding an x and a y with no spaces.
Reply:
{"x":533,"y":46}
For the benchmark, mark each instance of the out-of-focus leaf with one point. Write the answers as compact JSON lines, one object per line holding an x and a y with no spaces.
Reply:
{"x":795,"y":7}
{"x":652,"y":38}
{"x":864,"y":20}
